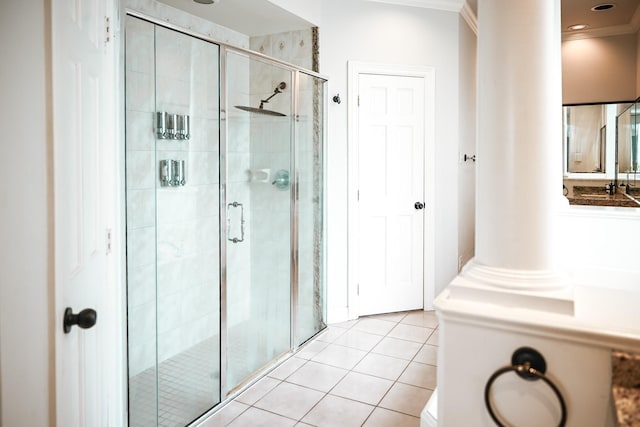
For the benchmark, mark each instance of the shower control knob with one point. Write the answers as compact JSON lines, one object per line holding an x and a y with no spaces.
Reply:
{"x":419,"y":205}
{"x":85,"y":319}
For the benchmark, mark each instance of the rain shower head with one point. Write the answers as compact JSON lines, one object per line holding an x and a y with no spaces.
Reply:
{"x":260,"y":109}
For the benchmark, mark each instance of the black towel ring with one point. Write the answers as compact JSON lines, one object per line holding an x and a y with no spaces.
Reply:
{"x":529,"y":365}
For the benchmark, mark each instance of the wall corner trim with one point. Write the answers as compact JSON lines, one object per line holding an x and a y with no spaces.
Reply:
{"x":616,"y":30}
{"x":470,"y":17}
{"x":635,"y":20}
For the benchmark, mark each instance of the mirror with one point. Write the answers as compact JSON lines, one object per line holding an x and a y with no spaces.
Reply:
{"x":600,"y":153}
{"x":589,"y":135}
{"x":585,"y":135}
{"x":628,"y":155}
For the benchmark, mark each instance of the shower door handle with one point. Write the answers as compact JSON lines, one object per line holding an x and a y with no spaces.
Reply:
{"x":235,"y":205}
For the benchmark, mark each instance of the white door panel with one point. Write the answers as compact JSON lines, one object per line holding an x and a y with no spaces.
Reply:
{"x":391,"y":181}
{"x":78,"y":54}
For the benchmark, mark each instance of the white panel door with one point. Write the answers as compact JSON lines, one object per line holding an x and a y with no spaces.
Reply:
{"x":391,"y":189}
{"x":80,"y":119}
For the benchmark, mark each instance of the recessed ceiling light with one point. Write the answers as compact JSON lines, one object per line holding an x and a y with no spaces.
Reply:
{"x":604,"y":6}
{"x":205,"y":1}
{"x":577,"y":27}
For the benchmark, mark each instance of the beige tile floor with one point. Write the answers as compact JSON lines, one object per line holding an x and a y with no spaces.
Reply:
{"x":374,"y":372}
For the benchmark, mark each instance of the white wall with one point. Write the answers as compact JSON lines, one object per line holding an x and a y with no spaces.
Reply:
{"x":599,"y":69}
{"x":600,"y":237}
{"x":374,"y":32}
{"x":26,"y":349}
{"x":467,"y":170}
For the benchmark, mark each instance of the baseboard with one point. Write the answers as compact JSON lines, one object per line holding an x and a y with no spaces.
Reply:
{"x":337,"y":314}
{"x":429,"y":415}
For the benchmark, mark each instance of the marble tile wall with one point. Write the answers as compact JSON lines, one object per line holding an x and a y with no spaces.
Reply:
{"x":294,"y":47}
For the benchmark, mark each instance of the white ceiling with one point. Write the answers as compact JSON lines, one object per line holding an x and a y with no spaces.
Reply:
{"x":259,"y":17}
{"x":250,"y":17}
{"x":579,"y":12}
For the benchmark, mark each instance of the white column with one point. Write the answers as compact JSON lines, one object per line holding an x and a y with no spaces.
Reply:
{"x":519,"y":138}
{"x":512,"y":294}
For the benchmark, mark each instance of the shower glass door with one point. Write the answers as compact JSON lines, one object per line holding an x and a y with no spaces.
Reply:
{"x":173,"y":227}
{"x":257,"y":208}
{"x":224,"y":219}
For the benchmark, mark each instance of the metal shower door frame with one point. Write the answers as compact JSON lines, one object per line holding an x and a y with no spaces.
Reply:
{"x":224,"y":48}
{"x":294,"y":191}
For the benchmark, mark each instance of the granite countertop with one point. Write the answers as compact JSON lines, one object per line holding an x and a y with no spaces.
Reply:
{"x":626,"y":387}
{"x":596,"y":196}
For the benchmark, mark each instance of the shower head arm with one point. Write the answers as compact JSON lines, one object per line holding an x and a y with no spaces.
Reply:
{"x":276,"y":91}
{"x":266,"y":101}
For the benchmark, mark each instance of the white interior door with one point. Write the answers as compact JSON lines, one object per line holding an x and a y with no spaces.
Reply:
{"x":82,"y":123}
{"x":391,"y":193}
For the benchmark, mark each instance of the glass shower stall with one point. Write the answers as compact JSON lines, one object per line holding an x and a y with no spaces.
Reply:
{"x":224,"y":218}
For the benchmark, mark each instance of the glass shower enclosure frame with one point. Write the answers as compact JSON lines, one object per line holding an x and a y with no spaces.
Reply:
{"x":225,"y":218}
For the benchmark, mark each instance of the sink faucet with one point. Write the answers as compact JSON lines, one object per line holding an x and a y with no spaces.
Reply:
{"x":627,"y":188}
{"x":610,"y":188}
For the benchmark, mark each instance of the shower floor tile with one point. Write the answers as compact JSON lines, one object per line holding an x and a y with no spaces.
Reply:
{"x":188,"y":386}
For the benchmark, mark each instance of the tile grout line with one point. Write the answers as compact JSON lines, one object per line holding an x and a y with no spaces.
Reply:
{"x":351,"y":370}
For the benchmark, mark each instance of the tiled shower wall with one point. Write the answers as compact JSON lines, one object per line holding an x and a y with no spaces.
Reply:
{"x":294,"y":47}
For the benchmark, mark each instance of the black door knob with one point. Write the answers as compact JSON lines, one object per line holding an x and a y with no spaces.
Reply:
{"x":419,"y":205}
{"x":85,"y":319}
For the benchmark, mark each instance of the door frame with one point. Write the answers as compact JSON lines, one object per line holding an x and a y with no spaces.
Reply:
{"x":354,"y":70}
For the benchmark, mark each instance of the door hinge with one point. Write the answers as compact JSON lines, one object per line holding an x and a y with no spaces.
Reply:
{"x":358,"y":100}
{"x":109,"y":240}
{"x":358,"y":290}
{"x":358,"y":195}
{"x":107,"y":29}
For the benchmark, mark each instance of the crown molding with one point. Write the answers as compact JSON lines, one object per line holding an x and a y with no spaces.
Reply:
{"x":460,"y":6}
{"x":617,"y":30}
{"x":635,"y":19}
{"x":448,"y":5}
{"x":470,"y":17}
